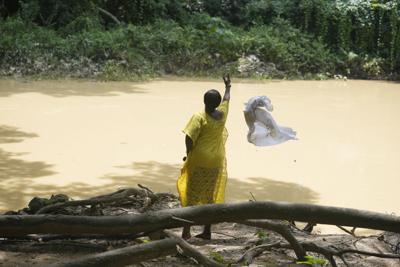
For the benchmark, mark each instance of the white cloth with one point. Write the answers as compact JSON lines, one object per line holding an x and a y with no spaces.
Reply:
{"x":263,"y":130}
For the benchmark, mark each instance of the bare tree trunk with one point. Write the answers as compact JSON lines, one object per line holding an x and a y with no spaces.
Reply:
{"x":20,"y":225}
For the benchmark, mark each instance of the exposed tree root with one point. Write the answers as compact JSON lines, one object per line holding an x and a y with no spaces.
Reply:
{"x":46,"y":230}
{"x":283,"y":230}
{"x":191,"y":252}
{"x":125,"y":256}
{"x":328,"y":252}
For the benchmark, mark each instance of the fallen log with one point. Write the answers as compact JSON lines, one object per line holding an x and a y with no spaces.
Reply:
{"x":21,"y":225}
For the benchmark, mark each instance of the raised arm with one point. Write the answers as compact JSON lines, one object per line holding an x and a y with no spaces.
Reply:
{"x":227,"y":81}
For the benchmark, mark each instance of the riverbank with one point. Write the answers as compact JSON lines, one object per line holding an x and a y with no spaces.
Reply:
{"x":205,"y":44}
{"x":235,"y":244}
{"x":204,"y":47}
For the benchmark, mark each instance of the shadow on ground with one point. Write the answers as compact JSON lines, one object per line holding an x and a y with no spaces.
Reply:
{"x":16,"y":175}
{"x":9,"y":134}
{"x":65,"y":88}
{"x":17,"y":185}
{"x":160,"y":177}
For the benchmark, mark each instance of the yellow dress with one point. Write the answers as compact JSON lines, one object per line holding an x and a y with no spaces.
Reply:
{"x":203,"y":176}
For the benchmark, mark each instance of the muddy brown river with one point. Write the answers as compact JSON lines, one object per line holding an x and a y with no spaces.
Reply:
{"x":85,"y":138}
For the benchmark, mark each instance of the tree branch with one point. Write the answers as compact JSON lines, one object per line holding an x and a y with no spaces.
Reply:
{"x":284,"y":231}
{"x":330,"y":253}
{"x":191,"y":252}
{"x":105,"y":12}
{"x":249,"y":255}
{"x":21,"y":225}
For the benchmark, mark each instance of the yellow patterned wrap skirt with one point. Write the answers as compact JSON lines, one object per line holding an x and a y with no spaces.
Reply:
{"x":203,"y":176}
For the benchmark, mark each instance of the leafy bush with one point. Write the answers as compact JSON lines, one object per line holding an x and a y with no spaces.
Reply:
{"x":82,"y":23}
{"x":289,"y":49}
{"x":291,"y":38}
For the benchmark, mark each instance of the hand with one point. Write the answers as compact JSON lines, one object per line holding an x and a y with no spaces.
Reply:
{"x":227,"y":80}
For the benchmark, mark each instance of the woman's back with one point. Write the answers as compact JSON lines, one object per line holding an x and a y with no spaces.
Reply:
{"x":209,"y":147}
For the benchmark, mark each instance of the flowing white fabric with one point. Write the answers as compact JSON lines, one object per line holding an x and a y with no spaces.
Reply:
{"x":263,"y":130}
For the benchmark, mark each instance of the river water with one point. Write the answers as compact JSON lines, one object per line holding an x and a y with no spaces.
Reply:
{"x":85,"y":138}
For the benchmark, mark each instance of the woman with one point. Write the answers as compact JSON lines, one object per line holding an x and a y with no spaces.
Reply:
{"x":203,"y":176}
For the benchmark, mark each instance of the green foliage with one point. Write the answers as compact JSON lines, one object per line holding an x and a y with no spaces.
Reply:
{"x":83,"y":23}
{"x":369,"y":28}
{"x":299,"y":38}
{"x":373,"y":67}
{"x":289,"y":49}
{"x":56,"y":13}
{"x":145,"y":11}
{"x":207,"y":46}
{"x":263,"y":236}
{"x":217,"y":257}
{"x":261,"y":12}
{"x":29,"y":10}
{"x":315,"y":262}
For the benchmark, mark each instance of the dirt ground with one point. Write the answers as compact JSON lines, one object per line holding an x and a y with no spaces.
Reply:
{"x":230,"y":241}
